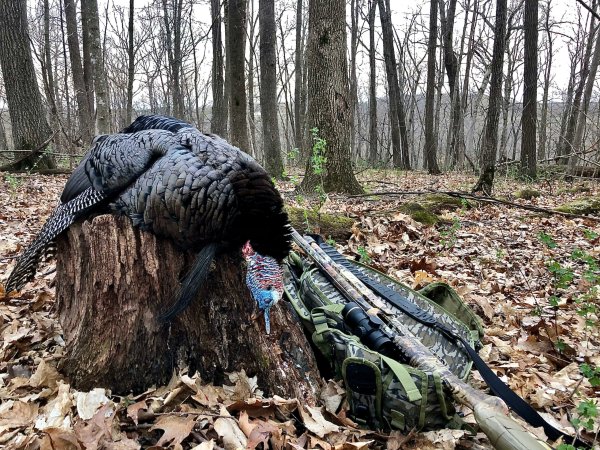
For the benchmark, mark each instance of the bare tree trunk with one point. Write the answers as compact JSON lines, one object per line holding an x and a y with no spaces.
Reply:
{"x":462,"y":144}
{"x":28,"y":120}
{"x":543,"y":128}
{"x":354,"y":10}
{"x":508,"y":85}
{"x":561,"y":146}
{"x":392,"y":79}
{"x":530,"y":78}
{"x":268,"y":89}
{"x":47,"y":70}
{"x":88,"y":70}
{"x":84,"y":114}
{"x":65,"y":85}
{"x":583,"y":75}
{"x":227,"y":85}
{"x":372,"y":85}
{"x":252,"y":41}
{"x":3,"y":140}
{"x":328,"y":96}
{"x":236,"y":51}
{"x":89,"y":11}
{"x":430,"y":138}
{"x":451,"y":64}
{"x":298,"y":91}
{"x":130,"y":65}
{"x":113,"y":282}
{"x":490,"y":140}
{"x":218,"y":123}
{"x":173,"y":42}
{"x":583,"y":109}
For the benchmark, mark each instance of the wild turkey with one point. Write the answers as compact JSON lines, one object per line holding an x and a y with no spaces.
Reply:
{"x":193,"y":188}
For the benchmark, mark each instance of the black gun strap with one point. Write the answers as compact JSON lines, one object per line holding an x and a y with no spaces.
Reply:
{"x":496,"y":385}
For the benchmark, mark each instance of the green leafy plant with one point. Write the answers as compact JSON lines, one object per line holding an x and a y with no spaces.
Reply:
{"x":547,"y":240}
{"x":318,"y":161}
{"x":592,"y":373}
{"x":293,"y":154}
{"x":500,"y":254}
{"x":364,"y":255}
{"x":13,"y":183}
{"x":586,"y":414}
{"x":318,"y":158}
{"x":563,"y":276}
{"x":589,"y":234}
{"x":449,"y":234}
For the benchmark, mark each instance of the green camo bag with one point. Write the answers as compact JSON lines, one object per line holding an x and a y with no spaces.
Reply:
{"x":382,"y":392}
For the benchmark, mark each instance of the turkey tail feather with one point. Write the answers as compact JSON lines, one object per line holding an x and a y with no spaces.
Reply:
{"x":44,"y":244}
{"x":192,"y":281}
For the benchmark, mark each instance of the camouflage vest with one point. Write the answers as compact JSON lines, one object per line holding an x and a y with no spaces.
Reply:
{"x":384,"y":393}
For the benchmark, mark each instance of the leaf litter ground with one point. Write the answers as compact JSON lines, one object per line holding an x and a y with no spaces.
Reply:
{"x":495,"y":256}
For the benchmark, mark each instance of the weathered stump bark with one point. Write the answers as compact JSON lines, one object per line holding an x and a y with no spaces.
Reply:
{"x":112,"y":283}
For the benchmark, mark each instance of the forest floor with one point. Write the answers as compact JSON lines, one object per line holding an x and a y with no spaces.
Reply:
{"x":528,"y":275}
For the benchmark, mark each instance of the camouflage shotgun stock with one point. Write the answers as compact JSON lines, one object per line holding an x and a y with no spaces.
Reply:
{"x":491,"y":412}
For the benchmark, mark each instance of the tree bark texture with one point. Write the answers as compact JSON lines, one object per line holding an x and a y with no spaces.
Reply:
{"x":490,"y":139}
{"x":113,"y":281}
{"x":268,"y":89}
{"x":451,"y":64}
{"x":252,"y":60}
{"x":354,"y":13}
{"x":329,"y":106}
{"x":298,"y":110}
{"x":372,"y":85}
{"x":462,"y":143}
{"x":130,"y":64}
{"x":28,"y":119}
{"x":172,"y":23}
{"x":236,"y":54}
{"x":430,"y":135}
{"x":47,"y":72}
{"x":88,"y":69}
{"x":89,"y":9}
{"x":568,"y":147}
{"x":218,"y":123}
{"x":583,"y":109}
{"x":400,"y":156}
{"x":530,"y":81}
{"x":543,"y":128}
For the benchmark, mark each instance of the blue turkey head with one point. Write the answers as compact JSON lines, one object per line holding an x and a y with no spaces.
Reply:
{"x":264,"y":279}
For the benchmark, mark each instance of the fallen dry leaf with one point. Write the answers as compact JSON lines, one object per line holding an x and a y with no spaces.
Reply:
{"x":229,"y":431}
{"x":45,"y":376}
{"x":14,"y":414}
{"x":175,"y":428}
{"x":314,"y":421}
{"x":89,"y":402}
{"x":57,"y":413}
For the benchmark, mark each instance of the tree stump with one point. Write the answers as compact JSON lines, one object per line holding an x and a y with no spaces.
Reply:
{"x":112,"y":283}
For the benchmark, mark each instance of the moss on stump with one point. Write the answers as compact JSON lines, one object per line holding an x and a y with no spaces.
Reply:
{"x":442,"y":202}
{"x":419,"y":214}
{"x":584,"y":205}
{"x":527,"y":193}
{"x":332,"y":226}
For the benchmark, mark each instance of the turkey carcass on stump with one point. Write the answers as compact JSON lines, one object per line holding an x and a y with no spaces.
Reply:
{"x":113,"y":282}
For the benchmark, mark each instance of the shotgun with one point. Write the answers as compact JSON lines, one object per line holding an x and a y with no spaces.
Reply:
{"x":491,"y":413}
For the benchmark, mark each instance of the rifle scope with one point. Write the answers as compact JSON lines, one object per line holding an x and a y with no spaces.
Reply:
{"x":367,"y":328}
